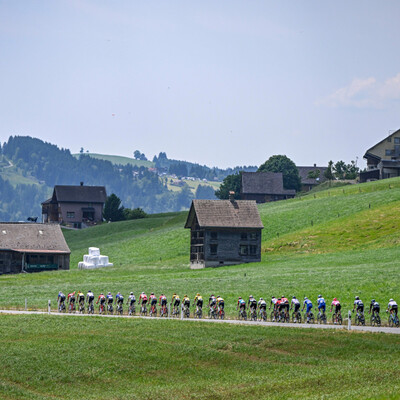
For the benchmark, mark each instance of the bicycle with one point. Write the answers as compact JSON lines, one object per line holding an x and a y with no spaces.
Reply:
{"x":221,"y":314}
{"x":175,"y":311}
{"x":212,"y":312}
{"x":253,"y":314}
{"x":153,"y":311}
{"x":101,"y":308}
{"x":143,"y":310}
{"x":262,"y":314}
{"x":120,"y":309}
{"x":110,"y":309}
{"x":309,"y":318}
{"x":393,"y":320}
{"x":81,"y":308}
{"x":242,"y":314}
{"x":90,"y":308}
{"x":199,"y":312}
{"x":71,"y":308}
{"x":375,"y":319}
{"x":61,"y":307}
{"x":321,"y":317}
{"x":274,"y":316}
{"x":337,"y":318}
{"x":132,"y":309}
{"x":296,"y":317}
{"x":164,"y":311}
{"x":283,"y":316}
{"x":359,"y":319}
{"x":186,"y":311}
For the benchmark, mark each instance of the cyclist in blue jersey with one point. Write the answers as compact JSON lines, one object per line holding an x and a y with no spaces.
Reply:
{"x":321,"y":304}
{"x":307,"y":303}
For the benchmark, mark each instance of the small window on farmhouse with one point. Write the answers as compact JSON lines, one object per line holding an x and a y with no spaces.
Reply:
{"x":201,"y":234}
{"x":389,"y":139}
{"x":253,"y":236}
{"x":213,"y":249}
{"x":253,"y":250}
{"x":397,"y":140}
{"x":214,"y":235}
{"x":70,"y":214}
{"x":243,"y":236}
{"x":243,"y":250}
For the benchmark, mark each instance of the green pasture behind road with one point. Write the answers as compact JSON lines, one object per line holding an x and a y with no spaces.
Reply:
{"x":118,"y":160}
{"x":87,"y":358}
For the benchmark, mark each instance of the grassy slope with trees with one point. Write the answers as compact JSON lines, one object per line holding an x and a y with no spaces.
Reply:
{"x":350,"y":249}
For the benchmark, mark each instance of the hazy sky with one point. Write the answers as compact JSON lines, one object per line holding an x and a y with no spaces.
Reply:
{"x":215,"y":82}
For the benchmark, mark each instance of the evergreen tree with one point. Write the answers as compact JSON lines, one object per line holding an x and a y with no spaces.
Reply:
{"x":113,"y":211}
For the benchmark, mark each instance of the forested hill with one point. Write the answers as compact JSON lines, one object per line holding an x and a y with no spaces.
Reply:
{"x":29,"y":169}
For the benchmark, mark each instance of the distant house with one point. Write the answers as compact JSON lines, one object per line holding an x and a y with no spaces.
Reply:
{"x":383,"y":159}
{"x":75,"y":206}
{"x":32,"y":247}
{"x":308,"y":183}
{"x":224,"y":232}
{"x":264,"y":187}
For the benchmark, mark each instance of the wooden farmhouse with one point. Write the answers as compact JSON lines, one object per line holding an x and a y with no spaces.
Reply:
{"x":308,"y":183}
{"x":224,"y":232}
{"x":383,"y":159}
{"x":29,"y":247}
{"x":75,"y":206}
{"x":264,"y":187}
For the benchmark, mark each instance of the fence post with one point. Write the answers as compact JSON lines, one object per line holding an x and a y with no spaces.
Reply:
{"x":349,"y":320}
{"x":49,"y":306}
{"x":26,"y":304}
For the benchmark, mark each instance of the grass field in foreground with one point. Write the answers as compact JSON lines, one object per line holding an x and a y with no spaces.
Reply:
{"x":46,"y":357}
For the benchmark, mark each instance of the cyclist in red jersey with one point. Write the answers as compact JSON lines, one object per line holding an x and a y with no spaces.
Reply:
{"x":143,"y":298}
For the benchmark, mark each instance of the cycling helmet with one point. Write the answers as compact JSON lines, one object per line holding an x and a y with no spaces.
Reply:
{"x":357,"y":298}
{"x":250,"y":296}
{"x":293,"y":297}
{"x":319,"y":296}
{"x":373,"y":301}
{"x":198,"y":294}
{"x":279,"y":298}
{"x":305,"y":298}
{"x":109,"y":292}
{"x":131,"y":292}
{"x":174,"y":294}
{"x":335,"y":299}
{"x":391,"y":300}
{"x":239,"y":297}
{"x":273,"y":297}
{"x":152,"y":293}
{"x":101,"y":294}
{"x":261,"y":298}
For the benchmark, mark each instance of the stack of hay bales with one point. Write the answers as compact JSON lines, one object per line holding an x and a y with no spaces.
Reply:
{"x":94,"y":260}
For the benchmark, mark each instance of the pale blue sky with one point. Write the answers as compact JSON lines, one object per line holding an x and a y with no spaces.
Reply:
{"x":215,"y":82}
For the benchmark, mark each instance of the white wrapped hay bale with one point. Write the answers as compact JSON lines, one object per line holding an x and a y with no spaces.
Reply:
{"x":94,"y":251}
{"x":94,"y":260}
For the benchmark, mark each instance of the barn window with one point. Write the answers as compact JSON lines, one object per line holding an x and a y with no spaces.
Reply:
{"x":243,"y":250}
{"x":70,"y":214}
{"x":397,"y":140}
{"x":253,"y":250}
{"x":243,"y":236}
{"x":214,"y":235}
{"x":253,"y":236}
{"x":213,"y":249}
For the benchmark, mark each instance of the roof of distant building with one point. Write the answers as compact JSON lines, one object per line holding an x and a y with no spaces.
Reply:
{"x":79,"y":194}
{"x":304,"y":171}
{"x":224,"y":214}
{"x":264,"y":183}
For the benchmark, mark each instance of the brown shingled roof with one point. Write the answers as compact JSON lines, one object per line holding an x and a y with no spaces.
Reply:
{"x":304,"y":171}
{"x":225,"y":214}
{"x":264,"y":183}
{"x":32,"y":238}
{"x":80,"y":194}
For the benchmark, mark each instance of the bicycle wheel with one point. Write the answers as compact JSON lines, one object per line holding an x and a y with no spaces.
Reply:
{"x":299,"y":318}
{"x":339,"y":319}
{"x":378,"y":320}
{"x":312,"y":318}
{"x":272,"y":316}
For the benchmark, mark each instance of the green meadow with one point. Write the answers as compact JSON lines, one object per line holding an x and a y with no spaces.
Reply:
{"x":339,"y":242}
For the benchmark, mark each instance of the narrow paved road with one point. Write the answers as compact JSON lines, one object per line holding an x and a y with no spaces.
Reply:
{"x":395,"y":331}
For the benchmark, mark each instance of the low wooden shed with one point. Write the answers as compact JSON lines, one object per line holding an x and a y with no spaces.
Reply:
{"x":30,"y":247}
{"x":224,"y":232}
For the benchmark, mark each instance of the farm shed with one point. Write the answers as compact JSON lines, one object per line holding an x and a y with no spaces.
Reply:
{"x":28,"y":247}
{"x":224,"y":232}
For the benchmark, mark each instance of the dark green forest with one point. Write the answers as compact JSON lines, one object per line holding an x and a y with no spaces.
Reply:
{"x":137,"y":187}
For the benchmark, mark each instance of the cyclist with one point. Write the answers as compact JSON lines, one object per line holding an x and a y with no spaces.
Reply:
{"x":296,"y":304}
{"x":60,"y":300}
{"x":273,"y":303}
{"x":212,"y":301}
{"x":285,"y":306}
{"x":374,"y":307}
{"x":392,"y":307}
{"x":262,"y":306}
{"x":143,"y":300}
{"x":102,"y":300}
{"x":252,"y":303}
{"x":198,"y":301}
{"x":119,"y":299}
{"x":185,"y":301}
{"x":337,"y":305}
{"x":321,"y":304}
{"x":163,"y":301}
{"x":307,"y":303}
{"x":241,"y":305}
{"x":153,"y":300}
{"x":81,"y":299}
{"x":131,"y":300}
{"x":175,"y":302}
{"x":110,"y":300}
{"x":90,"y":297}
{"x":71,"y":300}
{"x":358,"y":304}
{"x":220,"y":303}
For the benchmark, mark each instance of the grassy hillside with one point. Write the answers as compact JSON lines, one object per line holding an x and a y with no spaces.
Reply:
{"x":119,"y":160}
{"x":348,"y":249}
{"x":47,"y":357}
